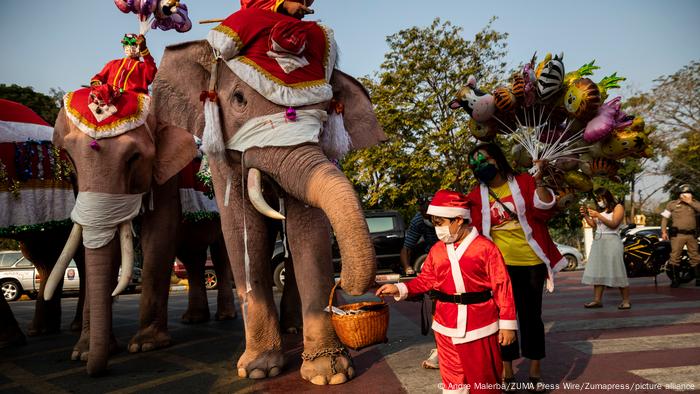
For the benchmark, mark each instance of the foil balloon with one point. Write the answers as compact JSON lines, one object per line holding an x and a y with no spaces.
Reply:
{"x":479,"y":105}
{"x":504,"y":99}
{"x":630,"y":141}
{"x":177,"y":19}
{"x":565,"y":198}
{"x":602,"y":167}
{"x":582,"y":99}
{"x":583,"y":71}
{"x":607,"y":83}
{"x":521,"y":158}
{"x":567,"y":163}
{"x":550,"y":77}
{"x":579,"y":181}
{"x":518,"y":87}
{"x":483,"y":131}
{"x":609,"y":117}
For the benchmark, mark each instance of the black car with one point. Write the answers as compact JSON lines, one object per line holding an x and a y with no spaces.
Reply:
{"x":386,"y":229}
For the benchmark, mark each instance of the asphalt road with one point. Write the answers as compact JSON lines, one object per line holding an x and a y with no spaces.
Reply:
{"x":654,"y":347}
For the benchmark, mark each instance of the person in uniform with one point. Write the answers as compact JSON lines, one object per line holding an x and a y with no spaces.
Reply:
{"x":475,"y":311}
{"x":129,"y":73}
{"x":682,"y":213}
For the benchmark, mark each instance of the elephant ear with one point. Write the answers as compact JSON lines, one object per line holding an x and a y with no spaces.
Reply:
{"x":182,"y":75}
{"x":60,"y":129}
{"x":175,"y":149}
{"x":359,"y":117}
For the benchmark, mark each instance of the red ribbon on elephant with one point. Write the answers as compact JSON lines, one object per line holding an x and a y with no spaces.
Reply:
{"x":208,"y":95}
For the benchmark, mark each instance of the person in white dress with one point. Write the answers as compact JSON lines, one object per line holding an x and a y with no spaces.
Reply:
{"x":606,"y":267}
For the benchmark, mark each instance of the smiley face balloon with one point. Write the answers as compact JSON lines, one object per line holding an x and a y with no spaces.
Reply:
{"x":582,"y":99}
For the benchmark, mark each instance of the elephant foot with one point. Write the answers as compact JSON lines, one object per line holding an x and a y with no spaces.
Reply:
{"x":327,"y":366}
{"x":258,"y":365}
{"x":148,"y":339}
{"x":38,"y":329}
{"x":81,"y":350}
{"x":225,"y":315}
{"x":194,"y":316}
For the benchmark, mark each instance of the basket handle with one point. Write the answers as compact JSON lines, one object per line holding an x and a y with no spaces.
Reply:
{"x":330,"y":299}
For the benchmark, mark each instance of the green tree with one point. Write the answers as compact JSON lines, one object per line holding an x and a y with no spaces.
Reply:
{"x":428,"y":142}
{"x":44,"y":105}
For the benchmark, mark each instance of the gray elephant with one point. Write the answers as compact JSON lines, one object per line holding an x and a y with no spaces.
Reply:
{"x":317,"y":197}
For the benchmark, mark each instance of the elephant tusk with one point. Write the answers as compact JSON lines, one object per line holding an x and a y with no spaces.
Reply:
{"x":256,"y":197}
{"x":63,"y":260}
{"x":127,"y":267}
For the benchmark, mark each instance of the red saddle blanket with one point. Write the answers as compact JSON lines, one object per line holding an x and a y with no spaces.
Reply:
{"x":130,"y":111}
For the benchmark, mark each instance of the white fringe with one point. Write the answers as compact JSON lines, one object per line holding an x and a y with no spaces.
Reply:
{"x":213,"y":139}
{"x":335,"y":140}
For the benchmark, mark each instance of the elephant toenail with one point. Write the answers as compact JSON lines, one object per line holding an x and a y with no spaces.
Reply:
{"x":319,"y":380}
{"x":242,"y":373}
{"x":338,"y":378}
{"x":84,"y":356}
{"x":147,"y":347}
{"x":134,"y":348}
{"x":257,"y":374}
{"x":274,"y":371}
{"x":351,"y":372}
{"x":75,"y":356}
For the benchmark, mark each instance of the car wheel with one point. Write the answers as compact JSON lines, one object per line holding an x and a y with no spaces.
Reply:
{"x":418,"y":265}
{"x":11,"y":290}
{"x":571,"y":262}
{"x":278,"y":275}
{"x":210,"y":280}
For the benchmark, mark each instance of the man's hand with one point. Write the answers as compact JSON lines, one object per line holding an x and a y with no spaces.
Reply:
{"x":664,"y":235}
{"x":387,"y":290}
{"x":141,"y":42}
{"x":686,"y":198}
{"x":297,"y":10}
{"x":506,"y":337}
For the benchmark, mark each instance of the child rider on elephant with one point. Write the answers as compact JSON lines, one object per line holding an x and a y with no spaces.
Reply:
{"x":128,"y":74}
{"x":475,"y":311}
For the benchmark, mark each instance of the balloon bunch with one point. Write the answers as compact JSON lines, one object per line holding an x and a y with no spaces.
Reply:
{"x":562,"y":119}
{"x":157,"y":14}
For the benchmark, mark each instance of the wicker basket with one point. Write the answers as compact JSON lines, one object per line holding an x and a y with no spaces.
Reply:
{"x":363,"y":329}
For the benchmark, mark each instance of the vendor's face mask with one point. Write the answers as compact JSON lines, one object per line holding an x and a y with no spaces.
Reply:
{"x":687,"y":195}
{"x":131,"y":51}
{"x":444,"y":233}
{"x":483,"y":169}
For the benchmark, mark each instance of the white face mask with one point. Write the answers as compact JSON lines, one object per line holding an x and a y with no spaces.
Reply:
{"x":686,"y":195}
{"x":131,"y":51}
{"x":602,"y":204}
{"x":444,"y":235}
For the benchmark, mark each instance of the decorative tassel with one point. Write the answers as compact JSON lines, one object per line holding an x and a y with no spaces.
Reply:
{"x":94,"y":145}
{"x":335,"y":140}
{"x":291,"y":114}
{"x":213,"y":138}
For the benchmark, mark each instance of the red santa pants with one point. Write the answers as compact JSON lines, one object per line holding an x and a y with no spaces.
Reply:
{"x":476,"y":365}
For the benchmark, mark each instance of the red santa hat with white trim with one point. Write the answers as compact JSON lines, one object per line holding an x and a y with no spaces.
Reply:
{"x":449,"y":204}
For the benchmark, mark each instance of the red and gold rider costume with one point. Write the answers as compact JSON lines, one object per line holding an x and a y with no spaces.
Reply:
{"x":129,"y":74}
{"x":466,"y":334}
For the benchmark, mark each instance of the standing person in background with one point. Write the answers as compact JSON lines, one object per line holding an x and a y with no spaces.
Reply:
{"x":465,"y":273}
{"x":513,"y":209}
{"x":420,"y":227}
{"x":606,"y":266}
{"x":682,"y":213}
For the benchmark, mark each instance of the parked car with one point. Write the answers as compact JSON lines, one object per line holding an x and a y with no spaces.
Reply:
{"x":19,"y":276}
{"x":572,"y":255}
{"x":386,"y":229}
{"x":210,"y":279}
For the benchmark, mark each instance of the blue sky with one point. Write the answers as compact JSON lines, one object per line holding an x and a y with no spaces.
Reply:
{"x":61,"y":44}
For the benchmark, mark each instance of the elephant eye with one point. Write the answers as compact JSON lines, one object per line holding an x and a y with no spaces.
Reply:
{"x":133,"y":159}
{"x":239,"y":98}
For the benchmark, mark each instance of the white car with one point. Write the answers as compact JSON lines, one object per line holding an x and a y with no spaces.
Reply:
{"x":572,"y":256}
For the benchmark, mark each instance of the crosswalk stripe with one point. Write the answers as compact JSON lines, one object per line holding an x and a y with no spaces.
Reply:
{"x":684,"y":378}
{"x":637,"y":344}
{"x":621,"y":322}
{"x":561,"y":298}
{"x":578,"y":309}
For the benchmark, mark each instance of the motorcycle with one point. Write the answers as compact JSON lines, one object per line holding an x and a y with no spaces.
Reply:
{"x":647,"y":255}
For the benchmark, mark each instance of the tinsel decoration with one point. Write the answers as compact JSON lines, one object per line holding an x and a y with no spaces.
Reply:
{"x":13,"y":231}
{"x":194,"y":217}
{"x":204,"y":176}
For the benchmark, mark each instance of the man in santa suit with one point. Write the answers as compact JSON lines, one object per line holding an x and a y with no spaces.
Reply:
{"x":475,"y":313}
{"x":129,"y":73}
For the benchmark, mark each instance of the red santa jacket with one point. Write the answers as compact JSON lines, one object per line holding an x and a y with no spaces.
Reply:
{"x":474,"y":265}
{"x":532,"y":213}
{"x":128,"y":74}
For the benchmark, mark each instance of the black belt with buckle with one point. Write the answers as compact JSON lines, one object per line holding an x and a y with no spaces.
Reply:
{"x":461,"y":298}
{"x":687,"y":232}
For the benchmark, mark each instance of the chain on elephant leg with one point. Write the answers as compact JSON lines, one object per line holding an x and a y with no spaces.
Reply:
{"x":327,"y":366}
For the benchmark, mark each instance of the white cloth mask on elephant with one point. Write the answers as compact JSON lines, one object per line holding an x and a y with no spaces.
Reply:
{"x":277,"y":130}
{"x":100,"y":213}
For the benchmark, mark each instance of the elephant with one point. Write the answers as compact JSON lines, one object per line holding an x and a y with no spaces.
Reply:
{"x":36,"y":196}
{"x":137,"y":167}
{"x":317,"y":196}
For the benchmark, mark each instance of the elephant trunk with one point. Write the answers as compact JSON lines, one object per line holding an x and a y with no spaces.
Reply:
{"x":99,"y":270}
{"x":307,"y":174}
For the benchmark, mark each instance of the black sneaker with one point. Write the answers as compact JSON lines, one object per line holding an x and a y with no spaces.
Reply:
{"x":674,"y":283}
